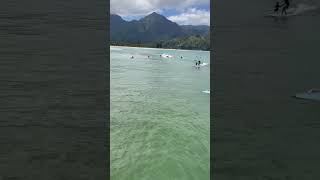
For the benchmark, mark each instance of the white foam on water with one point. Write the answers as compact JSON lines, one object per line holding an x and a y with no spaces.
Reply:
{"x":166,"y":56}
{"x":303,"y":8}
{"x":204,"y":64}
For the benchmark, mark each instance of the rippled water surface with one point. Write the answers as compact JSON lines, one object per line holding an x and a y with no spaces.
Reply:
{"x":159,"y":114}
{"x":260,"y":130}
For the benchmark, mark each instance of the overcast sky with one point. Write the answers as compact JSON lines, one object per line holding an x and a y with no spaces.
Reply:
{"x":183,"y":12}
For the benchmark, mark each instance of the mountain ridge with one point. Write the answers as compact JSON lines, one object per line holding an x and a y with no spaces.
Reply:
{"x":152,"y":30}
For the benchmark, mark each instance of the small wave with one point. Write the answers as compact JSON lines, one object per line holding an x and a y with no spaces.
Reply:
{"x":204,"y":64}
{"x":166,"y":56}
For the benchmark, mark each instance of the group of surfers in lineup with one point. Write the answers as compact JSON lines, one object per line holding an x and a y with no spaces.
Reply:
{"x":160,"y":56}
{"x":197,"y":62}
{"x":285,"y":5}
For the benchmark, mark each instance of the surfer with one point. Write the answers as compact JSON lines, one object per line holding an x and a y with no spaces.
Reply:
{"x":199,"y":62}
{"x":277,"y":6}
{"x":285,"y":7}
{"x":132,"y":57}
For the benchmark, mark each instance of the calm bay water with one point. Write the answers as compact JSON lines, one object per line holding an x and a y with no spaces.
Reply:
{"x":160,"y":115}
{"x":53,"y":90}
{"x":260,"y":130}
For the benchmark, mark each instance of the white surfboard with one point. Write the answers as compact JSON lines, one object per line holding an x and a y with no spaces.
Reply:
{"x":206,"y":91}
{"x":309,"y":96}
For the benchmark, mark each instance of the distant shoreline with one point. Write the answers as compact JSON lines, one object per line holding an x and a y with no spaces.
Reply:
{"x":158,"y":48}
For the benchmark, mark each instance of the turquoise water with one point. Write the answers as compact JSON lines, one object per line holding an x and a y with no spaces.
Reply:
{"x":160,"y":115}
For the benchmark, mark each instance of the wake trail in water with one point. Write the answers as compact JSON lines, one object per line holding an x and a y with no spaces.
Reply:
{"x":301,"y":8}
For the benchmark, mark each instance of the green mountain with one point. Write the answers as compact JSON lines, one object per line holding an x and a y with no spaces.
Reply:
{"x":156,"y":30}
{"x":190,"y":42}
{"x":196,"y":30}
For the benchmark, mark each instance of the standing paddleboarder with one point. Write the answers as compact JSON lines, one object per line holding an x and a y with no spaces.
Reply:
{"x":285,"y":7}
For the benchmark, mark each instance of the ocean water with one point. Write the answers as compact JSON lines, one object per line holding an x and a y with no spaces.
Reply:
{"x":160,"y":114}
{"x":260,"y":130}
{"x":53,"y":90}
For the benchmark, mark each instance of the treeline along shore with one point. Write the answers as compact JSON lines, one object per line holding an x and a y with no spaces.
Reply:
{"x":190,"y":43}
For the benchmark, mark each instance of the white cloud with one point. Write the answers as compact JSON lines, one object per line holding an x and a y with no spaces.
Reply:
{"x":131,"y":7}
{"x":192,"y":17}
{"x":143,"y":7}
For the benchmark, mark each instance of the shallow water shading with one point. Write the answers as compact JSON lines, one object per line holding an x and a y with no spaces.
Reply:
{"x":159,"y":114}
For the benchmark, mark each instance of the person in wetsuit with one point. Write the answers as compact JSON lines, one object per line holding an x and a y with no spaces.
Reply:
{"x":285,"y":7}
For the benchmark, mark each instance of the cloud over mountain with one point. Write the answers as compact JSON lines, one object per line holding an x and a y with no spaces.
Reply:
{"x":192,"y":16}
{"x":143,"y":7}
